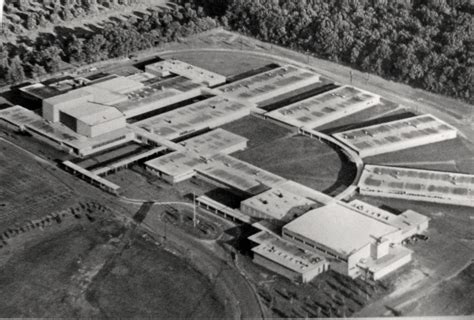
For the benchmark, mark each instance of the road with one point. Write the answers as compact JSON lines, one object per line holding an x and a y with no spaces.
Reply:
{"x":209,"y":258}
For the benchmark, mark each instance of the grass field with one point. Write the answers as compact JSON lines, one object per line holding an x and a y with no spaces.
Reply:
{"x":454,"y":155}
{"x":28,"y":189}
{"x":449,"y":249}
{"x":225,"y":63}
{"x":304,"y":160}
{"x":452,"y":297}
{"x":100,"y":269}
{"x":257,"y":130}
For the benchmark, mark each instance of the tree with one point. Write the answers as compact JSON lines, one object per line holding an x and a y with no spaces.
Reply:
{"x":15,"y":71}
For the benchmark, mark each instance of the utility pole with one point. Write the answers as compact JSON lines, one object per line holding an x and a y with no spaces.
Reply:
{"x":194,"y":209}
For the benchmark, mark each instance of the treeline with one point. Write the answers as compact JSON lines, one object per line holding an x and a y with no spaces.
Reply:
{"x":427,"y":44}
{"x":116,"y":39}
{"x":21,"y":15}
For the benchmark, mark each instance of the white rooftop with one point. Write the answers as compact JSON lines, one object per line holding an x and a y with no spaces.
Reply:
{"x":339,"y":228}
{"x":285,"y":253}
{"x":326,"y":107}
{"x":269,"y":84}
{"x":187,"y":70}
{"x":176,"y":163}
{"x":426,"y":185}
{"x":213,"y":142}
{"x":394,"y":132}
{"x":278,"y":203}
{"x":406,"y":220}
{"x":209,"y":113}
{"x":239,"y":174}
{"x":92,"y":113}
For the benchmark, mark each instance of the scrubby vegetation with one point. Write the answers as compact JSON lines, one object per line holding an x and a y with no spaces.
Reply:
{"x":424,"y":43}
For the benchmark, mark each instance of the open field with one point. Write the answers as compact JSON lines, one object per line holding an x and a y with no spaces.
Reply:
{"x":227,"y":64}
{"x":27,"y":188}
{"x":379,"y":113}
{"x":454,"y":155}
{"x":447,"y":252}
{"x":257,"y":130}
{"x":101,"y":269}
{"x":304,"y":160}
{"x":452,"y":297}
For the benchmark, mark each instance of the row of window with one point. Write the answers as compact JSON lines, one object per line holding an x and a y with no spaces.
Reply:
{"x":314,"y":246}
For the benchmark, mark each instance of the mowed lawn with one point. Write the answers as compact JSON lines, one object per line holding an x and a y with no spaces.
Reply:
{"x":224,"y":63}
{"x":257,"y":130}
{"x":455,"y":155}
{"x":304,"y":160}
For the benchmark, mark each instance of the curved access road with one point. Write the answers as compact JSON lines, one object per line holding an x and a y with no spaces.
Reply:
{"x":212,"y":261}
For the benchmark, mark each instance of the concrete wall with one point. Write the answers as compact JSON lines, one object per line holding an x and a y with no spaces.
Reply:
{"x":50,"y":109}
{"x":101,"y":128}
{"x":464,"y":201}
{"x":277,"y":268}
{"x":394,"y":266}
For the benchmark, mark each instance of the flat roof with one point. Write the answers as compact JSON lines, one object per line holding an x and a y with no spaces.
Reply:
{"x":92,"y":113}
{"x":279,"y":80}
{"x":188,"y":70}
{"x":193,"y":117}
{"x":339,"y":228}
{"x":80,"y":93}
{"x":304,"y":191}
{"x":213,"y":142}
{"x":176,"y":163}
{"x":239,"y":174}
{"x":323,"y":108}
{"x":40,"y":91}
{"x":279,"y":204}
{"x":286,"y":254}
{"x":393,"y":132}
{"x":432,"y":184}
{"x":119,"y":84}
{"x":18,"y":115}
{"x":406,"y":220}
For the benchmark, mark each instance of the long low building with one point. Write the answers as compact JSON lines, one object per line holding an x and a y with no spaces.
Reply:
{"x":216,"y":141}
{"x":181,"y":165}
{"x":277,"y":204}
{"x":418,"y":185}
{"x":176,"y":166}
{"x":397,"y":135}
{"x":269,"y":84}
{"x":158,"y":94}
{"x":239,"y":175}
{"x":202,"y":115}
{"x":355,"y":244}
{"x":409,"y":222}
{"x":282,"y":257}
{"x":172,"y":66}
{"x":324,"y":108}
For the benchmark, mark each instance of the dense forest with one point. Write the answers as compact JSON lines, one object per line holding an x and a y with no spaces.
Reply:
{"x":21,"y":16}
{"x":115,"y":39}
{"x":427,"y":44}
